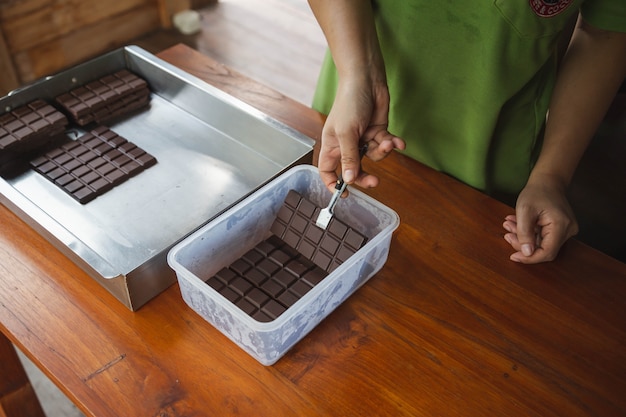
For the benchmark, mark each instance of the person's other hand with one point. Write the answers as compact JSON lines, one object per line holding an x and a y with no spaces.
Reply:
{"x":359,"y":115}
{"x":542,"y":223}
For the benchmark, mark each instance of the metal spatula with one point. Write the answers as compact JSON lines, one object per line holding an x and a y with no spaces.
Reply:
{"x":340,"y":186}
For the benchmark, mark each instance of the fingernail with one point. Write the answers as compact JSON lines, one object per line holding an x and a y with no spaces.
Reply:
{"x":527,"y":249}
{"x":348,"y":176}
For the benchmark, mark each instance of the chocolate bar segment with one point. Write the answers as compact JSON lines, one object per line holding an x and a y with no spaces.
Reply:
{"x":280,"y":270}
{"x":295,"y":224}
{"x":93,"y":164}
{"x":262,"y":284}
{"x":30,"y":126}
{"x":104,"y":99}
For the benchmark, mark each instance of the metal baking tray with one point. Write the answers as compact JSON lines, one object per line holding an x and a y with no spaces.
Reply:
{"x":212,"y":151}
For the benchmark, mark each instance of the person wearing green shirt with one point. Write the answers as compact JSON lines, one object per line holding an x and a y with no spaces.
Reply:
{"x":479,"y":90}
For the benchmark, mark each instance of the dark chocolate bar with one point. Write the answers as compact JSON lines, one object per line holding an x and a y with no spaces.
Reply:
{"x":268,"y":279}
{"x":104,"y":99}
{"x":295,"y":224}
{"x":93,"y":164}
{"x":279,"y":271}
{"x":30,"y":126}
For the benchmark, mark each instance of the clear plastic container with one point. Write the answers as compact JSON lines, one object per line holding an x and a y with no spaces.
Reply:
{"x":240,"y":228}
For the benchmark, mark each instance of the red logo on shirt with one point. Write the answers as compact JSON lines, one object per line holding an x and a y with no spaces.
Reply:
{"x":549,"y":8}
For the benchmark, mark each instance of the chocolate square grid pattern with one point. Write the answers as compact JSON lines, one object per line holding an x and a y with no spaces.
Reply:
{"x":93,"y":164}
{"x":106,"y":98}
{"x":30,"y":126}
{"x":279,"y":271}
{"x":267,"y":280}
{"x":295,"y":224}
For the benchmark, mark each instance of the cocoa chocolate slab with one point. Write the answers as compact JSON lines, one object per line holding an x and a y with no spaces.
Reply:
{"x":30,"y":126}
{"x":280,"y":270}
{"x":104,"y":99}
{"x":295,"y":224}
{"x":93,"y":164}
{"x":264,"y":282}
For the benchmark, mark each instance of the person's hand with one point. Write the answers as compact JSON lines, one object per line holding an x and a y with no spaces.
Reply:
{"x":542,"y":223}
{"x":359,"y":115}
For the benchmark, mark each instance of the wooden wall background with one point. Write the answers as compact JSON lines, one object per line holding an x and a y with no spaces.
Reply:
{"x":41,"y":37}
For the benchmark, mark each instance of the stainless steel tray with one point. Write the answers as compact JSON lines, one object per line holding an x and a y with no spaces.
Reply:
{"x":212,"y":150}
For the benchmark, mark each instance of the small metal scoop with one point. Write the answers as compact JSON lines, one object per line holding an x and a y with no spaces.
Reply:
{"x":340,"y":186}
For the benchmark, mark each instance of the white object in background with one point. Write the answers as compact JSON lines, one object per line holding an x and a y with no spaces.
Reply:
{"x":187,"y":22}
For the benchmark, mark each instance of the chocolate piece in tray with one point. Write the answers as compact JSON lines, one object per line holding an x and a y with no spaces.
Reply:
{"x":106,"y":98}
{"x":267,"y":280}
{"x":295,"y":224}
{"x":93,"y":164}
{"x":30,"y":126}
{"x":280,"y":270}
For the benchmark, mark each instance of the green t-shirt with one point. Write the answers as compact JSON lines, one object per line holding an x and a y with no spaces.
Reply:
{"x":470,"y":81}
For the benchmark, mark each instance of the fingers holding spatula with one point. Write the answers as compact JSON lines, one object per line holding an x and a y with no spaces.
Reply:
{"x":327,"y":213}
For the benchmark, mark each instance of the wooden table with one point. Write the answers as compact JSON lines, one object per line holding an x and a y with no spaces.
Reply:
{"x":448,"y":327}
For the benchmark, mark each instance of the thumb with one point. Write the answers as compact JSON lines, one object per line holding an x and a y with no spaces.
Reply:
{"x":350,"y":163}
{"x":526,"y":230}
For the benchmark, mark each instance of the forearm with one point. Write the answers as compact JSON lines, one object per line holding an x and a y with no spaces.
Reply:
{"x":361,"y":105}
{"x":592,"y":70}
{"x":348,"y":26}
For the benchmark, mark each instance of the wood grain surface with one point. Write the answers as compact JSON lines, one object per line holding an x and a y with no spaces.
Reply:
{"x":448,"y":327}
